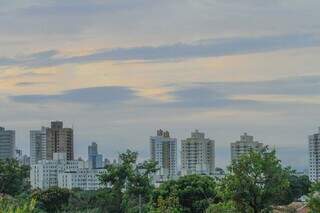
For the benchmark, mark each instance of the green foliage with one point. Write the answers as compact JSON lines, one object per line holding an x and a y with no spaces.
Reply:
{"x":83,"y":201}
{"x":11,"y":205}
{"x":52,"y":200}
{"x":127,"y":182}
{"x":194,"y":193}
{"x":255,"y":181}
{"x":298,"y":186}
{"x":13,"y":177}
{"x":225,"y":207}
{"x":314,"y":198}
{"x":168,"y":205}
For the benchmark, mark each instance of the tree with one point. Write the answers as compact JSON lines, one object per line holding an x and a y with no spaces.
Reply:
{"x":194,"y":192}
{"x":225,"y":207}
{"x":168,"y":205}
{"x":298,"y":186}
{"x":12,"y":205}
{"x":130,"y":184}
{"x":13,"y":177}
{"x":314,"y":198}
{"x":53,"y":199}
{"x":255,"y":181}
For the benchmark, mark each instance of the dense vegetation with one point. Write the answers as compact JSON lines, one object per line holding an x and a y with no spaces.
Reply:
{"x":255,"y":183}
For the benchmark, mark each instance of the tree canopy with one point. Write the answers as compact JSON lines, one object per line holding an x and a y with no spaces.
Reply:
{"x":194,"y":192}
{"x":130,"y":183}
{"x":13,"y":177}
{"x":255,"y":181}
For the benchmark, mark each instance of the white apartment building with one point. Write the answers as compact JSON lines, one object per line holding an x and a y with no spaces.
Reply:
{"x":63,"y":173}
{"x":7,"y":144}
{"x":244,"y":146}
{"x":198,"y":155}
{"x":163,"y":150}
{"x":314,"y":157}
{"x":85,"y":179}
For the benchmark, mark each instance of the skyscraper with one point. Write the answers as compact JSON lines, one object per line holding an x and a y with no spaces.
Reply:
{"x":198,"y":154}
{"x":94,"y":158}
{"x":59,"y":140}
{"x":7,"y":143}
{"x":244,"y":146}
{"x":45,"y":142}
{"x":163,"y":150}
{"x":38,"y":145}
{"x":314,"y":156}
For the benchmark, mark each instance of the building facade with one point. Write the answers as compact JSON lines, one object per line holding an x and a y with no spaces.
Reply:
{"x":63,"y":173}
{"x":163,"y":150}
{"x":85,"y":179}
{"x":45,"y":142}
{"x":7,"y":143}
{"x":244,"y":146}
{"x":197,"y":155}
{"x":38,"y":145}
{"x":314,"y":157}
{"x":95,"y":160}
{"x":59,"y":139}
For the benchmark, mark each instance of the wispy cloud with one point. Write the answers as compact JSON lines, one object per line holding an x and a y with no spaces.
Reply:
{"x":222,"y":94}
{"x":198,"y":49}
{"x":27,"y":83}
{"x":193,"y":95}
{"x":94,"y":95}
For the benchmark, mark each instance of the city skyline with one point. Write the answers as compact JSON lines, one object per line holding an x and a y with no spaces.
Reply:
{"x":117,"y":70}
{"x":222,"y":162}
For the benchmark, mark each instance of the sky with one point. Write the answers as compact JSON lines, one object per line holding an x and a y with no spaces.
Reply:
{"x":118,"y":70}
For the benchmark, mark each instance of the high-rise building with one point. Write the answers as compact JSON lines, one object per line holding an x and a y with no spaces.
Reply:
{"x":244,"y":146}
{"x":314,"y":157}
{"x":7,"y":144}
{"x":38,"y":145}
{"x":59,"y":140}
{"x":198,"y":154}
{"x":163,"y":150}
{"x":45,"y":142}
{"x":95,"y":160}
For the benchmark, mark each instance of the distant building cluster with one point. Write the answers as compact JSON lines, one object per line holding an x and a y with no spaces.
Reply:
{"x":197,"y":154}
{"x":52,"y":156}
{"x":64,"y":173}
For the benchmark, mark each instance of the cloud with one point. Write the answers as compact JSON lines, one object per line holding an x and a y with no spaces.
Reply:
{"x":198,"y":49}
{"x":204,"y":97}
{"x":26,"y":74}
{"x":221,"y":94}
{"x":299,"y":86}
{"x":194,"y":95}
{"x":93,"y":95}
{"x":26,"y":83}
{"x":82,"y":7}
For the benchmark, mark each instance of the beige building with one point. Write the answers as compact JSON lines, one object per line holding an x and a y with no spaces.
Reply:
{"x":198,"y":154}
{"x":244,"y":146}
{"x":163,"y":150}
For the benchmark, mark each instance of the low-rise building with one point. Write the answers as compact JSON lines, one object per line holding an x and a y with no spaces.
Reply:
{"x":63,"y":173}
{"x":85,"y":179}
